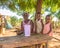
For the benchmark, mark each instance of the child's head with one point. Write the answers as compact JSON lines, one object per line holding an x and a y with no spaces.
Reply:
{"x":38,"y":15}
{"x":25,"y":16}
{"x":48,"y":18}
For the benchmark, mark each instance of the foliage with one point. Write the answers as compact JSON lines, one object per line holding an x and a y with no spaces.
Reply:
{"x":58,"y":14}
{"x":30,"y":5}
{"x":14,"y":21}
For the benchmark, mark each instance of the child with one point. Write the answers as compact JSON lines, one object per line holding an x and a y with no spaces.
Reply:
{"x":47,"y":26}
{"x":27,"y":25}
{"x":38,"y":23}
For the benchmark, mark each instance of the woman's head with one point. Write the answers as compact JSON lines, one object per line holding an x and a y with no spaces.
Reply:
{"x":48,"y":18}
{"x":25,"y":16}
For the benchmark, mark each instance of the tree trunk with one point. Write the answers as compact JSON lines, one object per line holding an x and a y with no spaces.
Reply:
{"x":38,"y":9}
{"x":39,"y":6}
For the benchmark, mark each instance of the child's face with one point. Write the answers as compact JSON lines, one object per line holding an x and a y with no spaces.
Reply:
{"x":47,"y":19}
{"x":25,"y":16}
{"x":38,"y":16}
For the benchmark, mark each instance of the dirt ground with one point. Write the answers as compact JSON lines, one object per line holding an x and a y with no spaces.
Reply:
{"x":54,"y":43}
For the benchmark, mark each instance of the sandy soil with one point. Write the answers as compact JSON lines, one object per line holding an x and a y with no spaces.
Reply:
{"x":54,"y":43}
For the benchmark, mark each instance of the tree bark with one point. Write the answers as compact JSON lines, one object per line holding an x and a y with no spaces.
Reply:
{"x":38,"y":9}
{"x":39,"y":6}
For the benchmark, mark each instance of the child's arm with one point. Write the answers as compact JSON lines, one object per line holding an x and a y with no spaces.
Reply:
{"x":42,"y":26}
{"x":35,"y":27}
{"x":22,"y":29}
{"x":50,"y":29}
{"x":32,"y":26}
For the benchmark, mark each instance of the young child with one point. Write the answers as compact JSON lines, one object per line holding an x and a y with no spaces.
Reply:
{"x":27,"y":25}
{"x":47,"y":27}
{"x":38,"y":23}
